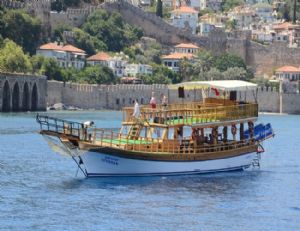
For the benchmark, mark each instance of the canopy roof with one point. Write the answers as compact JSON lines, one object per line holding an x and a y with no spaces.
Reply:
{"x":223,"y":85}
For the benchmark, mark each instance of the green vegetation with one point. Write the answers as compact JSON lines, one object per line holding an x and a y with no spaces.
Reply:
{"x":13,"y":59}
{"x":209,"y":67}
{"x":20,"y":27}
{"x":159,"y":9}
{"x":97,"y":75}
{"x":111,"y":30}
{"x":161,"y":75}
{"x":287,"y":12}
{"x":229,"y":4}
{"x":62,"y":5}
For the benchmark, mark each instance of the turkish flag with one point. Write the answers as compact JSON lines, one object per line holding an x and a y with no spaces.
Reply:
{"x":217,"y":93}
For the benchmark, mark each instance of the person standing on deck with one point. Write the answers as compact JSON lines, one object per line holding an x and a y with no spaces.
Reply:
{"x":153,"y":101}
{"x":136,"y":111}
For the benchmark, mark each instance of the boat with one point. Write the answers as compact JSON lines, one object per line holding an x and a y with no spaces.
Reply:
{"x":214,"y":134}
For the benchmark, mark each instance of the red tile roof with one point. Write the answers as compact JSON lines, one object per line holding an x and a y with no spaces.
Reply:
{"x":178,"y":56}
{"x":288,"y":69}
{"x":51,"y":46}
{"x":68,"y":48}
{"x":101,"y":56}
{"x":187,"y":45}
{"x":71,"y":48}
{"x":185,"y":9}
{"x":282,"y":26}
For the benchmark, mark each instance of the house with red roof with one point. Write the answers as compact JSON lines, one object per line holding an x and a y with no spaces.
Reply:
{"x":172,"y":61}
{"x":185,"y":17}
{"x":100,"y":58}
{"x":189,"y":48}
{"x":287,"y":32}
{"x":66,"y":55}
{"x":115,"y":63}
{"x":288,"y":73}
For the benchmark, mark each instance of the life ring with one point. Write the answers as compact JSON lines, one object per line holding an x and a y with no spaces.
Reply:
{"x":233,"y":129}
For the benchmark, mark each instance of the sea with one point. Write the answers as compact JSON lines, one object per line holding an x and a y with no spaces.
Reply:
{"x":43,"y":190}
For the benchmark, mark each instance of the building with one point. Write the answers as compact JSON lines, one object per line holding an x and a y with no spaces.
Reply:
{"x":205,"y":28}
{"x":288,"y":73}
{"x":185,"y":17}
{"x":287,"y":32}
{"x":100,"y":58}
{"x":187,"y":48}
{"x":264,"y":12}
{"x":66,"y":55}
{"x":172,"y":61}
{"x":118,"y":65}
{"x":243,"y":16}
{"x":138,"y":69}
{"x":215,"y":5}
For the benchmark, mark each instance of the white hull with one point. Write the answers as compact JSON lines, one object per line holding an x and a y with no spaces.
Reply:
{"x":99,"y":164}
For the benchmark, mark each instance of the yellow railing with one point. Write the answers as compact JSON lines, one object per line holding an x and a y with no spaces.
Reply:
{"x":116,"y":140}
{"x":193,"y":113}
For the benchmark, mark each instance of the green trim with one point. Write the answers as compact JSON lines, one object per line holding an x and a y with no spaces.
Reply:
{"x":126,"y":141}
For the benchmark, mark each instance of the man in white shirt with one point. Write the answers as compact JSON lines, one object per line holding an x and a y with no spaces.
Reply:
{"x":136,"y":111}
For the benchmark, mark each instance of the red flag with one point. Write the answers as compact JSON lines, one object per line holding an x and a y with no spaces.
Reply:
{"x":217,"y":93}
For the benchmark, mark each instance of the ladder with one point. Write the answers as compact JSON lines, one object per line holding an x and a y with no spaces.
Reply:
{"x":134,"y":131}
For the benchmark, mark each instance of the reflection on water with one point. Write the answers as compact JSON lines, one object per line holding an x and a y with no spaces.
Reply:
{"x":39,"y":190}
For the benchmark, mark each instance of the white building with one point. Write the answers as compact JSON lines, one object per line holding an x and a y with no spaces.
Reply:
{"x":172,"y":61}
{"x":185,"y":17}
{"x":135,"y":69}
{"x":66,"y":55}
{"x":264,"y":12}
{"x":244,"y":16}
{"x":116,"y":63}
{"x":211,"y":4}
{"x":288,"y":73}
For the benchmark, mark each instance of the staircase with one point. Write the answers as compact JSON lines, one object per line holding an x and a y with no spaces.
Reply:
{"x":134,"y":132}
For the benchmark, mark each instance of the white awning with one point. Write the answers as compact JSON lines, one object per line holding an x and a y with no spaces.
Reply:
{"x":223,"y":85}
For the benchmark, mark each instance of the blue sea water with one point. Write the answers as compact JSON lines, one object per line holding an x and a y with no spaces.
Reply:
{"x":39,"y":189}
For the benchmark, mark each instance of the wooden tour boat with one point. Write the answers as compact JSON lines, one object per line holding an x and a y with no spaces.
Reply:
{"x":216,"y":134}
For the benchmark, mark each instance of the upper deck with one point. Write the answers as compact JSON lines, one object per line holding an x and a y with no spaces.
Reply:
{"x":209,"y":111}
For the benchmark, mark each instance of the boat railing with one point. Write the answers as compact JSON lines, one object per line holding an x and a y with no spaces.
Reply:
{"x":117,"y":140}
{"x":188,"y":116}
{"x":60,"y":126}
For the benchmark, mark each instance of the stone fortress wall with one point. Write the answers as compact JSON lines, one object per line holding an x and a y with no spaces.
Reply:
{"x":20,"y":92}
{"x":117,"y":96}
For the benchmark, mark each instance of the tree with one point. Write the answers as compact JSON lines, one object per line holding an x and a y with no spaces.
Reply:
{"x":22,"y":29}
{"x":62,"y":5}
{"x":159,"y":9}
{"x":97,"y":75}
{"x":235,"y":73}
{"x":229,"y":4}
{"x":13,"y":59}
{"x":52,"y":70}
{"x":111,"y":30}
{"x":87,"y":42}
{"x":227,"y":60}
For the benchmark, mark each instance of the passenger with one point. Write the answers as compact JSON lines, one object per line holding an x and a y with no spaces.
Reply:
{"x":153,"y":101}
{"x":136,"y":111}
{"x":164,"y":101}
